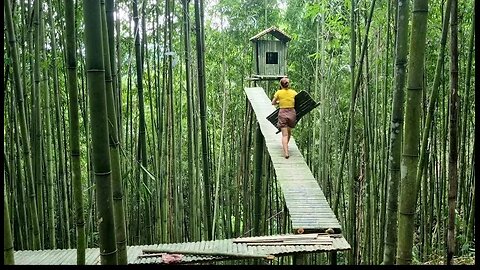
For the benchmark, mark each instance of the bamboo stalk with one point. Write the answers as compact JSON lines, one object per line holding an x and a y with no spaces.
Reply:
{"x":22,"y":117}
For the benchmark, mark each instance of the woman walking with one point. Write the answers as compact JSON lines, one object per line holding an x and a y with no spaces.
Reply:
{"x":287,"y":117}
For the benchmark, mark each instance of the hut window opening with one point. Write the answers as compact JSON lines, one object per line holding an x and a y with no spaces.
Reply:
{"x":272,"y":57}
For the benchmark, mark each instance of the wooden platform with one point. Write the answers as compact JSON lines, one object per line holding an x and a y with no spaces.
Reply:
{"x":234,"y":246}
{"x":308,"y":208}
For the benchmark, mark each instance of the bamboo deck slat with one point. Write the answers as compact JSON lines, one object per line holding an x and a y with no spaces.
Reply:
{"x":92,"y":256}
{"x":53,"y":256}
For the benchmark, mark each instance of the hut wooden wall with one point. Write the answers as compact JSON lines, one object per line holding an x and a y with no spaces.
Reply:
{"x":264,"y":46}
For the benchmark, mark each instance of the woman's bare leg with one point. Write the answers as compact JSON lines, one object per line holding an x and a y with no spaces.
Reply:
{"x":285,"y":139}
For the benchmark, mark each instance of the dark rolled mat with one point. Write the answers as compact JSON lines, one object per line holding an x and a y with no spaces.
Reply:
{"x":304,"y":103}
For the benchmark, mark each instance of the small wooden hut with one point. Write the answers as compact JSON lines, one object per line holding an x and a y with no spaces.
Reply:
{"x":270,"y":54}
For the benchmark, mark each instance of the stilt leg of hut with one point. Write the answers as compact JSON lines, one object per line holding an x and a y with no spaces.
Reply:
{"x":333,"y":258}
{"x":299,"y":259}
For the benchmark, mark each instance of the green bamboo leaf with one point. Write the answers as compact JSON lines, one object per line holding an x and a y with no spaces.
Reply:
{"x":147,"y":172}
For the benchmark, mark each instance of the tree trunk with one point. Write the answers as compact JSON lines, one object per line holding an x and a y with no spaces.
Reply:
{"x":466,"y":113}
{"x":23,"y":124}
{"x":355,"y":85}
{"x":434,"y":94}
{"x":8,"y":256}
{"x":396,"y":133}
{"x":408,"y":189}
{"x":384,"y":160}
{"x":114,"y":144}
{"x":99,"y":129}
{"x":36,"y":117}
{"x":49,"y":160}
{"x":199,"y":27}
{"x":453,"y":130}
{"x":190,"y":126}
{"x":71,"y":64}
{"x":351,"y":179}
{"x":258,"y":173}
{"x":142,"y":142}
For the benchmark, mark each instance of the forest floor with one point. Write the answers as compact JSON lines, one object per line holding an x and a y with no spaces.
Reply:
{"x":463,"y":260}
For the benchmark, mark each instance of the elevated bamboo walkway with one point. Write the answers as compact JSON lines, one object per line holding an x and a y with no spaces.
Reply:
{"x":315,"y":227}
{"x":308,"y":208}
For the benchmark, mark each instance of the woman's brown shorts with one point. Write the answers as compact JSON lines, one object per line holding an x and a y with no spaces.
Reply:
{"x":287,"y":118}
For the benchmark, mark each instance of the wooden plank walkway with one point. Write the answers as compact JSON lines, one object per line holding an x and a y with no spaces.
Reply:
{"x":308,"y":208}
{"x":306,"y":203}
{"x":235,"y":246}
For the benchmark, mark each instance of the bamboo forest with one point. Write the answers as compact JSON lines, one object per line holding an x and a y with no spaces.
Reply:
{"x":145,"y":132}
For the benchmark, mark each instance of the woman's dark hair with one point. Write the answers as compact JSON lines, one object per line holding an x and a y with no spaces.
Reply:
{"x":284,"y":82}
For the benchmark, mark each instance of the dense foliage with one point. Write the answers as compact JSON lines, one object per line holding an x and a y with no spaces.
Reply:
{"x":159,"y":105}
